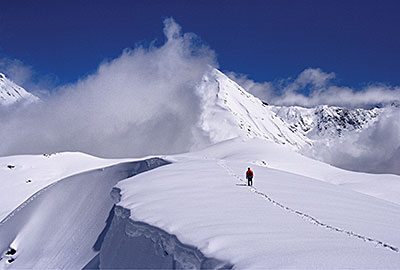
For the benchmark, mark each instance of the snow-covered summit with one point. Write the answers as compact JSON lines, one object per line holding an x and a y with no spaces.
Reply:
{"x":10,"y":92}
{"x":230,"y":111}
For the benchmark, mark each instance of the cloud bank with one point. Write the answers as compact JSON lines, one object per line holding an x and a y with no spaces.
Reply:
{"x":314,"y":87}
{"x":375,"y":149}
{"x":144,"y":102}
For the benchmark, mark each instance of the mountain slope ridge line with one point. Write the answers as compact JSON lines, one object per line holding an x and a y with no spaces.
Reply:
{"x":310,"y":218}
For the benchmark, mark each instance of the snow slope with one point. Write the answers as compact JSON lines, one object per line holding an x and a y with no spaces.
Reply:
{"x":268,"y":154}
{"x":197,"y":211}
{"x":60,"y":226}
{"x":286,"y":221}
{"x":11,"y":92}
{"x":22,"y":176}
{"x":229,"y":111}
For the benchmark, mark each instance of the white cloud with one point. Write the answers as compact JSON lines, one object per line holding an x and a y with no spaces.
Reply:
{"x":24,"y":76}
{"x":264,"y":91}
{"x":314,"y":87}
{"x":144,"y":102}
{"x":375,"y":149}
{"x":16,"y":70}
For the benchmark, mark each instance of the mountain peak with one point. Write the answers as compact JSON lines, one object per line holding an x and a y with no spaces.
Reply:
{"x":11,"y":93}
{"x":230,"y":111}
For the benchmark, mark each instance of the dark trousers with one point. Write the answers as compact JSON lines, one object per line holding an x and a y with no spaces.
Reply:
{"x":250,"y":181}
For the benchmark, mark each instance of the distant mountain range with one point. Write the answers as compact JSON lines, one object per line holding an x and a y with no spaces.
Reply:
{"x":230,"y":111}
{"x":236,"y":112}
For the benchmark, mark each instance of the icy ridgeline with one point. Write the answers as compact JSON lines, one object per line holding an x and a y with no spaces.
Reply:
{"x":11,"y":93}
{"x":23,"y":175}
{"x":67,"y":218}
{"x":230,"y":111}
{"x":287,"y":220}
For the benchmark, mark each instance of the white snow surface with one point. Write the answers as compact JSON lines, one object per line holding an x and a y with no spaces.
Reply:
{"x":23,"y":175}
{"x":11,"y":92}
{"x":61,"y":225}
{"x":300,"y":213}
{"x":229,"y":112}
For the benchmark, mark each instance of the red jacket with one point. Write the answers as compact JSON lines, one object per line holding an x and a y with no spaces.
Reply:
{"x":249,"y":174}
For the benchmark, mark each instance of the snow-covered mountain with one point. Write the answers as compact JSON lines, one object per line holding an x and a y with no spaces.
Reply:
{"x":11,"y":93}
{"x":326,"y":121}
{"x":195,"y":210}
{"x":230,"y":111}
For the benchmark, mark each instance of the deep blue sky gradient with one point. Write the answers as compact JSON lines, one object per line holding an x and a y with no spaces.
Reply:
{"x":267,"y":40}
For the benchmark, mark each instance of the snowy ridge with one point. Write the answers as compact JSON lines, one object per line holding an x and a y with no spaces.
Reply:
{"x":162,"y":249}
{"x":326,"y":121}
{"x":197,"y":213}
{"x":28,"y":174}
{"x":307,"y":217}
{"x":64,"y":219}
{"x":307,"y":223}
{"x":11,"y":93}
{"x":230,"y":111}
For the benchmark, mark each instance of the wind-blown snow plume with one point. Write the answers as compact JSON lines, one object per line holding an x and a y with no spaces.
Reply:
{"x":141,"y":103}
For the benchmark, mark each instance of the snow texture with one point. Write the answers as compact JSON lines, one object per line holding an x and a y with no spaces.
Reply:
{"x":137,"y":245}
{"x":59,"y":226}
{"x":11,"y":93}
{"x":24,"y":175}
{"x":286,"y":220}
{"x":230,"y":112}
{"x":198,"y":213}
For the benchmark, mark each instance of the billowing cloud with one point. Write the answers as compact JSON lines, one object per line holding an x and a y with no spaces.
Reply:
{"x":24,"y":76}
{"x":375,"y":149}
{"x":264,"y":91}
{"x":16,"y":70}
{"x":144,"y":102}
{"x":314,"y":87}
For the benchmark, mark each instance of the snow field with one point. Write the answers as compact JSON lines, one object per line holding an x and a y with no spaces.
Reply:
{"x":301,"y":213}
{"x":60,"y":225}
{"x":31,"y":173}
{"x":202,"y":202}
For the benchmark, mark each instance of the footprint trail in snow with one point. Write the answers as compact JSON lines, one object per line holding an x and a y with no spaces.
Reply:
{"x":307,"y":217}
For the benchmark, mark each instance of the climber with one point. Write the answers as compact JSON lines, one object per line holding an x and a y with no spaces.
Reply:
{"x":249,"y":177}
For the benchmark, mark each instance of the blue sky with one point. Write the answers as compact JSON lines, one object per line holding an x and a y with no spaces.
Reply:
{"x":266,"y":40}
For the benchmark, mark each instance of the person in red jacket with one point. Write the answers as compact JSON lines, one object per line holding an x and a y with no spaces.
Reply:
{"x":249,"y":177}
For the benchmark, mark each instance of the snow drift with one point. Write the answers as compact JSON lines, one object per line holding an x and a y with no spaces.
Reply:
{"x":58,"y":226}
